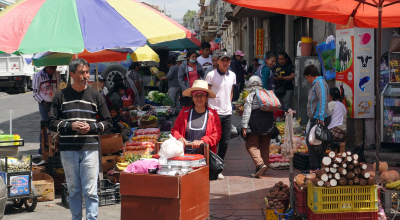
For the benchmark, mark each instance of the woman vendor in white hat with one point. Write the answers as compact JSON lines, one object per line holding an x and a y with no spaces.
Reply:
{"x":198,"y":123}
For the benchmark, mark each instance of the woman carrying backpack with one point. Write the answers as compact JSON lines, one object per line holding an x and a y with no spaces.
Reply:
{"x":257,"y":127}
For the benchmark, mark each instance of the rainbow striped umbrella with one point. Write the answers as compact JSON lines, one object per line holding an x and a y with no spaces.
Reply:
{"x":70,"y":26}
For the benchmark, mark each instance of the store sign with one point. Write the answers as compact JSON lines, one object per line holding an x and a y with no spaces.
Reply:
{"x":259,"y":43}
{"x":355,"y":69}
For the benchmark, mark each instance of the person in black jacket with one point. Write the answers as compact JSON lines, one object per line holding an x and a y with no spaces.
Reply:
{"x":237,"y":68}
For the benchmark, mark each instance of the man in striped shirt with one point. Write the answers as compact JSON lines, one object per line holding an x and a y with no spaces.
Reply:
{"x":73,"y":115}
{"x":45,"y":84}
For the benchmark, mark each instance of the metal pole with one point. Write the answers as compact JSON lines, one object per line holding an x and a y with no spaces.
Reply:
{"x":290,"y":116}
{"x":377,"y":93}
{"x":11,"y":113}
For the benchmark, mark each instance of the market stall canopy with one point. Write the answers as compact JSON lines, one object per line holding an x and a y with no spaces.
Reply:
{"x":144,"y":54}
{"x":58,"y":59}
{"x":365,"y":12}
{"x":181,"y":44}
{"x":33,"y":26}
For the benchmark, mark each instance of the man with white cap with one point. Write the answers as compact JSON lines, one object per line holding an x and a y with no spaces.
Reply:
{"x":221,"y":82}
{"x":237,"y":68}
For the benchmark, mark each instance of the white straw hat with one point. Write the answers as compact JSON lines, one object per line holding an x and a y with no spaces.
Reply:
{"x":199,"y":85}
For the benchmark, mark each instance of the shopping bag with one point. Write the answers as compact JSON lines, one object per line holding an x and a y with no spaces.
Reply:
{"x":171,"y":148}
{"x":311,"y":137}
{"x":234,"y":131}
{"x":216,"y":165}
{"x":267,"y":100}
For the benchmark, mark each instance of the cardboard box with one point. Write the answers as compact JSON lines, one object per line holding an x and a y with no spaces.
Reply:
{"x":108,"y":162}
{"x":184,"y":197}
{"x":111,"y":143}
{"x":38,"y":169}
{"x":44,"y":185}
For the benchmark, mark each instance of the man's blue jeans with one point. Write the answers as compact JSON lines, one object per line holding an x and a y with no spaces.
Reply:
{"x":44,"y":114}
{"x":81,"y":172}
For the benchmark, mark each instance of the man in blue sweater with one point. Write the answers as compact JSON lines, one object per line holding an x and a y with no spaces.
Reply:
{"x":73,"y":115}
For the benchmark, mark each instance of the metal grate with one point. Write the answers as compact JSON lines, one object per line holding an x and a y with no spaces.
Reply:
{"x":277,"y":33}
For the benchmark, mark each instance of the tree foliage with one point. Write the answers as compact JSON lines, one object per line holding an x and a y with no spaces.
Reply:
{"x":187,"y":18}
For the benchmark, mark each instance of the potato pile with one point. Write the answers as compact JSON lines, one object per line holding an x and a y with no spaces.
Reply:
{"x":280,"y":191}
{"x":275,"y":204}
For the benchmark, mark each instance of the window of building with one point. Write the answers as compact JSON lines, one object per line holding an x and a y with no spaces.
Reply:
{"x":277,"y":24}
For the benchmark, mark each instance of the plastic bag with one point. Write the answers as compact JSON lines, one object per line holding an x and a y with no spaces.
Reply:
{"x":234,"y":131}
{"x":323,"y":134}
{"x":216,"y":165}
{"x":312,"y":139}
{"x":171,"y":148}
{"x":274,"y":147}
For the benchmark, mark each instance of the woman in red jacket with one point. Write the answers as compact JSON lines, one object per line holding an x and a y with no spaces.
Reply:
{"x":198,"y":123}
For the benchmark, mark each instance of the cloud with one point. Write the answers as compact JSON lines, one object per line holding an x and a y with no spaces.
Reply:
{"x":177,"y":8}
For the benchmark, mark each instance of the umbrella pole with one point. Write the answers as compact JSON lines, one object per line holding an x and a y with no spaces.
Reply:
{"x":97,"y":74}
{"x":377,"y":93}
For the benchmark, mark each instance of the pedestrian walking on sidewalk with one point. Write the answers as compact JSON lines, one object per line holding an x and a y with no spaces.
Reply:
{"x":45,"y":84}
{"x":237,"y":68}
{"x":317,"y":110}
{"x":174,"y":89}
{"x":221,"y":82}
{"x":73,"y":115}
{"x":205,"y":58}
{"x":265,"y":71}
{"x":198,"y":123}
{"x":257,"y":127}
{"x":189,"y":71}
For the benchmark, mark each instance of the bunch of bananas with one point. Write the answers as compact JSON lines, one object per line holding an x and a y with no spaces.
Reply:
{"x":122,"y":166}
{"x":245,"y":94}
{"x":281,"y":128}
{"x":393,"y":185}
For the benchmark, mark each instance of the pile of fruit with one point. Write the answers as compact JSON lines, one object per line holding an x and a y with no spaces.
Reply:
{"x":281,"y":127}
{"x":279,"y":191}
{"x":123,"y":162}
{"x":275,"y":204}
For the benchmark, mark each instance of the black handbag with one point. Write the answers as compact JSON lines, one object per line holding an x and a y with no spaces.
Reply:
{"x":323,"y":134}
{"x":216,"y":165}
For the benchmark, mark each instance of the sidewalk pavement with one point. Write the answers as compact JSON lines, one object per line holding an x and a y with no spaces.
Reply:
{"x":239,"y":195}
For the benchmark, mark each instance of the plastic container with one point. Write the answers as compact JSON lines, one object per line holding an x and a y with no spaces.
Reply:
{"x":6,"y":138}
{"x":390,"y":199}
{"x":270,"y":214}
{"x":16,"y":138}
{"x":306,"y":49}
{"x":108,"y":193}
{"x":301,"y":161}
{"x":342,"y":199}
{"x":300,"y":198}
{"x":342,"y":216}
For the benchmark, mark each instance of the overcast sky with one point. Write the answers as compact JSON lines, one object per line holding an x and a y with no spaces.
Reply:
{"x":177,"y":8}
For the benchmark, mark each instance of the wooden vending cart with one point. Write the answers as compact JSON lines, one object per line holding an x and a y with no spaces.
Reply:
{"x":154,"y":196}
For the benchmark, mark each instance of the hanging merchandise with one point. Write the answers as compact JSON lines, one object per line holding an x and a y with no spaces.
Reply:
{"x":326,"y":53}
{"x":288,"y":147}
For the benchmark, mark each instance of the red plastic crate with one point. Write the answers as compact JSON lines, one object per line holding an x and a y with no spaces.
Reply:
{"x":300,"y":200}
{"x":342,"y":216}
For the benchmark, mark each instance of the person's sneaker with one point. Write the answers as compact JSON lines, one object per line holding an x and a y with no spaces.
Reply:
{"x":220,"y":176}
{"x":260,"y":170}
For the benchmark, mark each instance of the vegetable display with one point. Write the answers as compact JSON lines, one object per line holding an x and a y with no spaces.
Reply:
{"x":279,"y":191}
{"x":343,"y":169}
{"x":156,"y":96}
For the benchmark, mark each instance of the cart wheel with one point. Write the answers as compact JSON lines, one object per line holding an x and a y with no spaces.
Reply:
{"x":30,"y":204}
{"x":18,"y":203}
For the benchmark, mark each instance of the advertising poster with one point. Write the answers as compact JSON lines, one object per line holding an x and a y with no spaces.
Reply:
{"x":355,"y":69}
{"x":20,"y":185}
{"x":259,"y":43}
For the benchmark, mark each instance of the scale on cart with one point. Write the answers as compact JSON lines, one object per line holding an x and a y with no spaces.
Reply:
{"x":16,"y":172}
